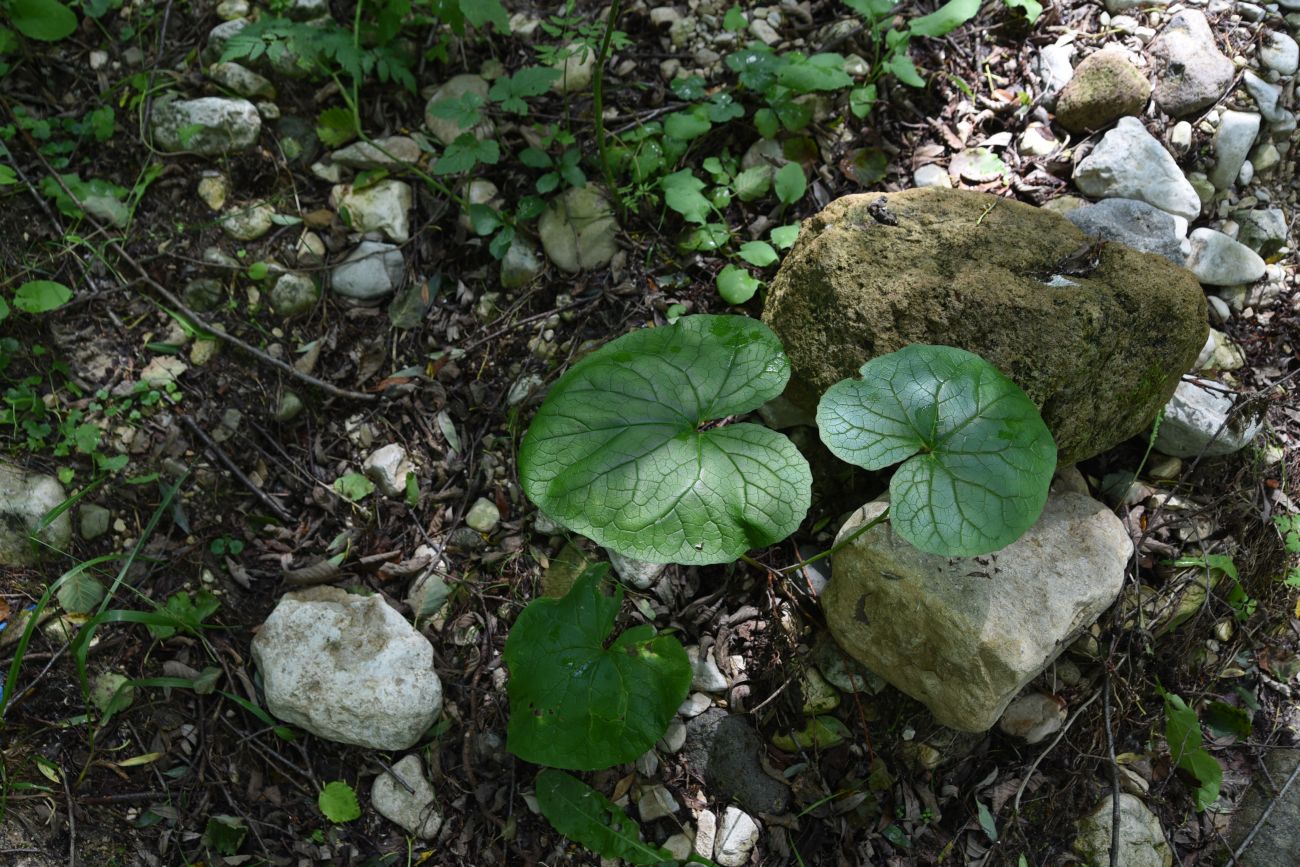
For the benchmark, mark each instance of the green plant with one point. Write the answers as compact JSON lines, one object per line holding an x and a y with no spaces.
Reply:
{"x":627,"y":450}
{"x":1187,"y":749}
{"x":338,"y":802}
{"x":579,"y":700}
{"x":42,"y":20}
{"x":1288,"y":527}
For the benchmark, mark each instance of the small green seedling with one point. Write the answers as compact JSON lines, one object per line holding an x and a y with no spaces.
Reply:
{"x":977,"y":457}
{"x":580,"y":701}
{"x":1187,"y":749}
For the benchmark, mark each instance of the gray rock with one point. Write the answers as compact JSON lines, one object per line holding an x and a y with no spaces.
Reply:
{"x":578,"y":230}
{"x":370,"y":272}
{"x":1053,"y":67}
{"x":25,"y":498}
{"x":655,"y":802}
{"x":1129,"y":163}
{"x":347,"y":668}
{"x":220,"y":35}
{"x":1232,"y":142}
{"x":986,"y":626}
{"x":307,"y":10}
{"x":705,"y":674}
{"x":1105,"y":87}
{"x":381,"y":207}
{"x":203,"y":294}
{"x":520,"y":265}
{"x":843,"y":671}
{"x":413,"y":811}
{"x":1117,"y":6}
{"x":1263,"y":230}
{"x":1141,"y":839}
{"x":931,"y":175}
{"x":738,"y":834}
{"x":241,"y":80}
{"x":389,"y":152}
{"x":957,"y":279}
{"x":294,"y":294}
{"x":1276,"y":843}
{"x":209,"y":126}
{"x":388,"y":467}
{"x":576,"y":69}
{"x":636,"y":573}
{"x":447,"y":130}
{"x":1033,"y":717}
{"x":297,"y":139}
{"x":1128,"y":221}
{"x":1280,"y":53}
{"x":1204,"y":421}
{"x":93,"y":521}
{"x":248,"y":222}
{"x":674,"y":738}
{"x":1267,"y":96}
{"x":1217,"y":260}
{"x":1191,"y":73}
{"x":483,"y":516}
{"x":723,"y":749}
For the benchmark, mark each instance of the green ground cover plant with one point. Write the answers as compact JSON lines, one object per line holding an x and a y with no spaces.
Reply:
{"x":637,"y":448}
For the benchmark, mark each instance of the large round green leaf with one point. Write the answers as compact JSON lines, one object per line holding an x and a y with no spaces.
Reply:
{"x":617,"y":452}
{"x":577,"y":703}
{"x":977,"y":457}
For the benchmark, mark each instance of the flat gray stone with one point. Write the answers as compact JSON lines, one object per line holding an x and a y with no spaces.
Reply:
{"x":1232,"y":142}
{"x":578,"y":230}
{"x":370,"y":272}
{"x":294,"y":294}
{"x":723,"y":749}
{"x":1217,"y":260}
{"x":1128,"y":221}
{"x":1129,"y":163}
{"x":413,"y":811}
{"x":1190,"y":71}
{"x":1276,"y":843}
{"x":1141,"y":839}
{"x":1199,"y":421}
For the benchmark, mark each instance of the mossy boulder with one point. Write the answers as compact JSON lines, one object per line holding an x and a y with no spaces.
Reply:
{"x":1097,"y":339}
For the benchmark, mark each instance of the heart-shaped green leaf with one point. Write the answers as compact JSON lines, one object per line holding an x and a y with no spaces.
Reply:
{"x":977,"y":457}
{"x":617,"y":452}
{"x":578,"y":701}
{"x":587,"y":817}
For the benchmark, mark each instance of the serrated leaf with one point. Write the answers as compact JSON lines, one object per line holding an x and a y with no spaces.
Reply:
{"x":987,"y":822}
{"x":616,"y":452}
{"x":946,"y":18}
{"x":577,"y":703}
{"x":44,"y":20}
{"x":689,"y":88}
{"x":353,"y":486}
{"x":41,"y":296}
{"x":753,"y":183}
{"x":790,"y":183}
{"x":767,"y":123}
{"x":736,"y":285}
{"x":682,"y":193}
{"x":336,"y":127}
{"x":758,"y":253}
{"x":590,"y":819}
{"x":338,"y":802}
{"x":80,"y":593}
{"x":977,"y":457}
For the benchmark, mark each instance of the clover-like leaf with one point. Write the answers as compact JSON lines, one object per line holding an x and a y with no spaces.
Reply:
{"x":579,"y":701}
{"x":620,"y":452}
{"x":977,"y":457}
{"x":587,"y":817}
